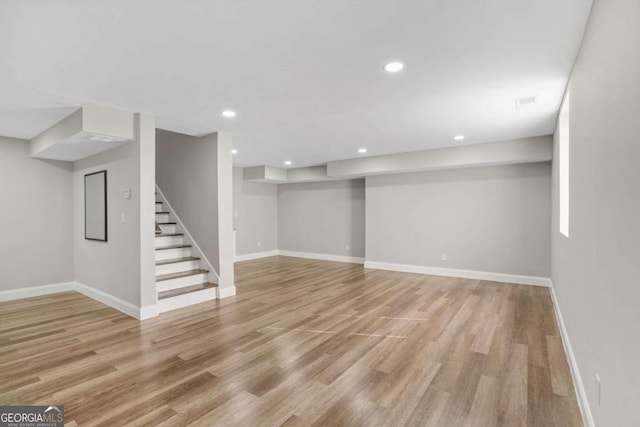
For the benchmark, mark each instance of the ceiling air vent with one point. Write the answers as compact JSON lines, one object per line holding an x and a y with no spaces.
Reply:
{"x":526,"y":102}
{"x":106,"y":138}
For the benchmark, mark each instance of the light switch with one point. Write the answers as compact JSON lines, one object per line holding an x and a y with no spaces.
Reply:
{"x":127,"y":194}
{"x":122,"y":217}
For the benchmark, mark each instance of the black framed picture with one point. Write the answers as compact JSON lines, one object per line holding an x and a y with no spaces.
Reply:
{"x":95,"y":206}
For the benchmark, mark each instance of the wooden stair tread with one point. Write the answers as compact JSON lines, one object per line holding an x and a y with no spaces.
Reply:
{"x":159,"y":203}
{"x":166,"y":223}
{"x":170,"y":235}
{"x":188,"y":273}
{"x":177,"y":260}
{"x":163,"y":213}
{"x":186,"y":290}
{"x":162,"y":248}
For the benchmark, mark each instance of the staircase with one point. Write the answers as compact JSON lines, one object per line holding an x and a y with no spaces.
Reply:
{"x":181,"y":279}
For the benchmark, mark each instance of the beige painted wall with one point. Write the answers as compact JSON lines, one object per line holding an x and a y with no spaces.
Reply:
{"x":113,"y":267}
{"x":596,"y":270}
{"x":492,"y":219}
{"x":36,"y":199}
{"x":255,"y":215}
{"x":195,"y":174}
{"x":186,"y":173}
{"x":322,"y":217}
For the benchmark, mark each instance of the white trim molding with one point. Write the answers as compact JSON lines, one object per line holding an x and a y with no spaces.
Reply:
{"x":185,"y":300}
{"x":148,"y":311}
{"x":36,"y":291}
{"x":256,"y":255}
{"x":108,"y":299}
{"x":463,"y":274}
{"x":323,"y":257}
{"x":581,"y":394}
{"x":226,"y":292}
{"x":125,"y":307}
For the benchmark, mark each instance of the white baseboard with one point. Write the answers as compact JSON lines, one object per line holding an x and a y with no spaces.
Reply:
{"x":36,"y":291}
{"x":464,"y":274}
{"x":323,"y":257}
{"x":107,"y":299}
{"x":581,"y":394}
{"x":148,"y":311}
{"x":186,"y":300}
{"x":256,"y":255}
{"x":227,"y":291}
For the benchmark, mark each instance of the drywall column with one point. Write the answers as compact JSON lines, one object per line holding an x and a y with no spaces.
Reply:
{"x":145,"y":127}
{"x":226,"y":242}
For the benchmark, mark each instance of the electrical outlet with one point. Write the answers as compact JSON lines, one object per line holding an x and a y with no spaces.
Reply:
{"x":347,"y":247}
{"x":443,"y":256}
{"x":259,"y":244}
{"x":598,"y":389}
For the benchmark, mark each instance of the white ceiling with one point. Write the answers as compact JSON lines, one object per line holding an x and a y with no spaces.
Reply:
{"x":305,"y":76}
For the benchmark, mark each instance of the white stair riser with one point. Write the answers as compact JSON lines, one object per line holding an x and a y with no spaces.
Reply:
{"x":173,"y":253}
{"x":162,"y":217}
{"x":177,"y":267}
{"x":168,"y":229}
{"x":181,"y":282}
{"x":168,"y":240}
{"x":159,"y":207}
{"x":180,"y":301}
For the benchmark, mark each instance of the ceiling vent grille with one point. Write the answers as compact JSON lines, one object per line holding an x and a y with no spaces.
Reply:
{"x":526,"y":102}
{"x":106,"y":138}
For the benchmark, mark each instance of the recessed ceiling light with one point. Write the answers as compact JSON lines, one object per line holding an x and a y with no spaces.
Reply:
{"x":362,"y":150}
{"x":288,"y":162}
{"x":394,"y":67}
{"x":234,"y":151}
{"x":458,"y":137}
{"x":229,"y":114}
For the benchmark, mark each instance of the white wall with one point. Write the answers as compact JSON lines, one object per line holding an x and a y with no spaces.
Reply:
{"x":322,"y":217}
{"x":596,"y":270}
{"x":115,"y":267}
{"x":256,"y":215}
{"x":36,"y":247}
{"x":186,"y":173}
{"x":491,"y":219}
{"x":195,"y":174}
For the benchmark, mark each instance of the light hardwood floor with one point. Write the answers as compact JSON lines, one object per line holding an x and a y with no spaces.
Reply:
{"x":304,"y":343}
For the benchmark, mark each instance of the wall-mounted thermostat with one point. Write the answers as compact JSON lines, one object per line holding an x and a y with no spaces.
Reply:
{"x":127,"y":193}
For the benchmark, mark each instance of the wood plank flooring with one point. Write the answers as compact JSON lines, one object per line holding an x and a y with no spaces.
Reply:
{"x":304,"y":343}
